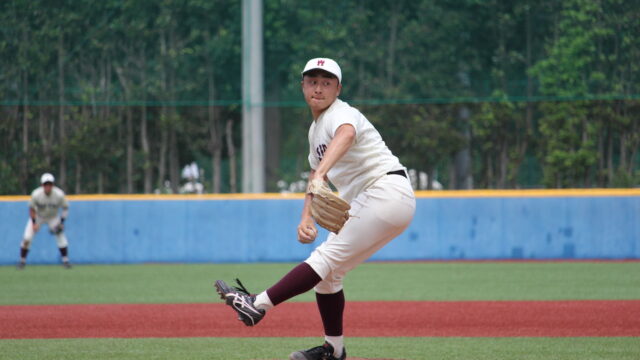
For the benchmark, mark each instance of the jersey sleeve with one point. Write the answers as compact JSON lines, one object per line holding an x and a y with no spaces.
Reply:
{"x":64,"y":203}
{"x":344,"y":116}
{"x":313,"y":162}
{"x":32,"y":201}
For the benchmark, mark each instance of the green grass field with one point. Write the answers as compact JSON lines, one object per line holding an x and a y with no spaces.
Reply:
{"x":440,"y":281}
{"x":279,"y":348}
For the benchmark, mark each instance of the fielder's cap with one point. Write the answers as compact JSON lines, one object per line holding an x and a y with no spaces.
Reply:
{"x":325,"y":64}
{"x":46,"y":177}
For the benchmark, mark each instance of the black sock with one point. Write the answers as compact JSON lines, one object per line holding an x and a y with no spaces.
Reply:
{"x":300,"y":279}
{"x":63,"y":251}
{"x":331,"y":308}
{"x":23,"y":253}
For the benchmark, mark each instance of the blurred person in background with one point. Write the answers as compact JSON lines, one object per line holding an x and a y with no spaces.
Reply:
{"x":44,"y":206}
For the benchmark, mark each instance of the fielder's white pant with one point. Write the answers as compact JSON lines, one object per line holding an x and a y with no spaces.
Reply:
{"x":379,"y":214}
{"x":52,"y":223}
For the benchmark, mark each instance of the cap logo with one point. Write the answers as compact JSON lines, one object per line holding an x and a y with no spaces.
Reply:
{"x":320,"y":62}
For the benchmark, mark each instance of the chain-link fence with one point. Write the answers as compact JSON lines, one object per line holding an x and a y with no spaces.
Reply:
{"x":120,"y":96}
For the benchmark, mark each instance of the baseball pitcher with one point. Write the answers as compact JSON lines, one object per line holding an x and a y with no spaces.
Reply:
{"x":375,"y":204}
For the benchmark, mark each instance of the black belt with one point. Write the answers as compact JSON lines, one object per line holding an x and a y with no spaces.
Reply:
{"x":398,"y":172}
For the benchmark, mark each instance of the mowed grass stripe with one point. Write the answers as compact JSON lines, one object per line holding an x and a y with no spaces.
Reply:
{"x":279,"y":348}
{"x":431,"y":281}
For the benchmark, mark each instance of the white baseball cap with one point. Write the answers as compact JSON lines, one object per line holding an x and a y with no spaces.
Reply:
{"x":325,"y":64}
{"x":46,"y":177}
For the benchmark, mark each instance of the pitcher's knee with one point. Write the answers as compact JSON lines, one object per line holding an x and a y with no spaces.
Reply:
{"x":328,"y":287}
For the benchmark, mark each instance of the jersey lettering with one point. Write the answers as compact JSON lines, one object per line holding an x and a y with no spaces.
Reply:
{"x":320,"y":151}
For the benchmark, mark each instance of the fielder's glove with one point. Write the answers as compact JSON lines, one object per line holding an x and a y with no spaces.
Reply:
{"x":327,"y":209}
{"x":59,"y":228}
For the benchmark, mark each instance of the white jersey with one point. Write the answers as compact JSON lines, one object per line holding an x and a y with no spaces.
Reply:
{"x":367,"y":160}
{"x":46,"y":206}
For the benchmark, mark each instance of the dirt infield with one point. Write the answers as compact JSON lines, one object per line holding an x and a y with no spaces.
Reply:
{"x":363,"y":319}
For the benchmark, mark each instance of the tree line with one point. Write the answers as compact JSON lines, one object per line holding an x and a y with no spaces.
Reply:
{"x":116,"y":96}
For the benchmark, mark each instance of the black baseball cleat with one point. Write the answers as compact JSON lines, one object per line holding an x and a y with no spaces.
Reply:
{"x":241,"y":301}
{"x":21,"y":265}
{"x":324,"y":352}
{"x":66,"y":265}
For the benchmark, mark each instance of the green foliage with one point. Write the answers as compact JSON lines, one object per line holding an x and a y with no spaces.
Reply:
{"x":568,"y":141}
{"x":502,"y":130}
{"x":622,"y":179}
{"x":583,"y":58}
{"x":417,"y":63}
{"x":8,"y":179}
{"x":435,"y":134}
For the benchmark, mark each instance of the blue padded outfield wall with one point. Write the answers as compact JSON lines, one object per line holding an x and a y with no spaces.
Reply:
{"x":447,"y":226}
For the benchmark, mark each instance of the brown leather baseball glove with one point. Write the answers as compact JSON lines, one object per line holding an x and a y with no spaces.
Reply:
{"x":328,"y":209}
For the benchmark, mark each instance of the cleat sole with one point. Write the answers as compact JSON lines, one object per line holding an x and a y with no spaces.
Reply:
{"x":220,"y":289}
{"x":230,"y":297}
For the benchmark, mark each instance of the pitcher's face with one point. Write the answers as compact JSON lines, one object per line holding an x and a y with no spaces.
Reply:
{"x":320,"y":91}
